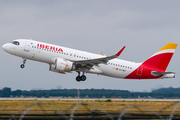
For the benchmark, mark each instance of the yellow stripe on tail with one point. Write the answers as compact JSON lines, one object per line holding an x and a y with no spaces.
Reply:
{"x":169,"y":46}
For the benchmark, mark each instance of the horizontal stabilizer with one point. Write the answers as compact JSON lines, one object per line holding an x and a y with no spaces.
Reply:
{"x":161,"y":73}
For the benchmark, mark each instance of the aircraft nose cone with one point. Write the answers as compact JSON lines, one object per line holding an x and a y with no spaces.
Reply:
{"x":4,"y":47}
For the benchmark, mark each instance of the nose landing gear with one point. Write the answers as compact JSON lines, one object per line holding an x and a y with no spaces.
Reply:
{"x":24,"y":61}
{"x":22,"y":66}
{"x":80,"y":78}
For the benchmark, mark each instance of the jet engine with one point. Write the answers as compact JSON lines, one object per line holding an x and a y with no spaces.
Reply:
{"x":61,"y":66}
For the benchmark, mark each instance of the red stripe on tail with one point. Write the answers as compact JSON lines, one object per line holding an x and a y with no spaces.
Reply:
{"x":159,"y":61}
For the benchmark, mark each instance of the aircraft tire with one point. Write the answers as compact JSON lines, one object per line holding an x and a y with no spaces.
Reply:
{"x":78,"y":78}
{"x":83,"y":77}
{"x":22,"y":66}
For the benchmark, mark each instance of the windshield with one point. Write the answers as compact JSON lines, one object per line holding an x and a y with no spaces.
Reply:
{"x":15,"y":42}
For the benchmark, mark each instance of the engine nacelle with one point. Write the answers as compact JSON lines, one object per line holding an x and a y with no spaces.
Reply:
{"x":61,"y":66}
{"x":52,"y":68}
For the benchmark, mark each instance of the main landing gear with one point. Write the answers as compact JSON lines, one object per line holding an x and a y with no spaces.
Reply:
{"x":80,"y":78}
{"x":24,"y":61}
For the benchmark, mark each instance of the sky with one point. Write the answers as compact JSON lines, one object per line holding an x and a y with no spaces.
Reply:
{"x":94,"y":26}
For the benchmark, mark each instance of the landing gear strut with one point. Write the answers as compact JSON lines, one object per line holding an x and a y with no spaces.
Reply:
{"x":80,"y":78}
{"x":24,"y":61}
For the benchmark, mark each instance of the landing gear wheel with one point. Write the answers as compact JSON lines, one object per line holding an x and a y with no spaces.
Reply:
{"x":83,"y":77}
{"x":24,"y":61}
{"x":22,"y":66}
{"x":78,"y":78}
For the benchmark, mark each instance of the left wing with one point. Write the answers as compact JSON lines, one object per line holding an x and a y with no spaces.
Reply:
{"x":92,"y":62}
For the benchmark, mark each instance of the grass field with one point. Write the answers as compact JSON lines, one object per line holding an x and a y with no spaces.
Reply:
{"x":53,"y":107}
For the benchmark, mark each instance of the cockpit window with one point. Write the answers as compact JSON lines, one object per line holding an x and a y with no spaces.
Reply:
{"x":15,"y":43}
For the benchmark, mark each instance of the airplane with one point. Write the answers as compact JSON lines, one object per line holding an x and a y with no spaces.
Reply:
{"x":65,"y":60}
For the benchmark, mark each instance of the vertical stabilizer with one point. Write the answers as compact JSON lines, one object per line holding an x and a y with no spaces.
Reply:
{"x":161,"y":58}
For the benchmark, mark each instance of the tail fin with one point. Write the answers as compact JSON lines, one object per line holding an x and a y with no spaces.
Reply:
{"x":162,"y":57}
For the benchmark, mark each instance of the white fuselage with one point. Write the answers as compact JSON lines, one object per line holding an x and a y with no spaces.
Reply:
{"x":48,"y":53}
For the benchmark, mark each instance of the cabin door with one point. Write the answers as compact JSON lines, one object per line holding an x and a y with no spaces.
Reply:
{"x":27,"y":46}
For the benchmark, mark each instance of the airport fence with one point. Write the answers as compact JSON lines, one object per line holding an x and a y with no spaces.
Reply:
{"x":97,"y":113}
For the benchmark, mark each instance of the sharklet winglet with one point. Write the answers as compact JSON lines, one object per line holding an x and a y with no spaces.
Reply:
{"x":120,"y":51}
